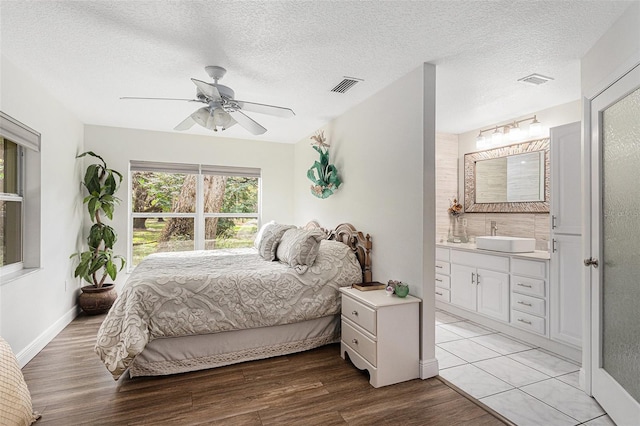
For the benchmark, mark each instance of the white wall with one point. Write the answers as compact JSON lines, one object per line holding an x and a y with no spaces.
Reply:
{"x":614,"y":54}
{"x":36,"y":306}
{"x":378,"y":148}
{"x":118,"y":146}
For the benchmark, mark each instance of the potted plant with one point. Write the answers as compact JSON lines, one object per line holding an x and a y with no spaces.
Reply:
{"x":99,"y":262}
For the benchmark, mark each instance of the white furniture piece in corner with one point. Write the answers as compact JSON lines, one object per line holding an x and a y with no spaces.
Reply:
{"x":566,"y":240}
{"x":380,"y":334}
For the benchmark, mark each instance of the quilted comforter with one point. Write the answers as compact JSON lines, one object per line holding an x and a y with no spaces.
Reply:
{"x":178,"y":294}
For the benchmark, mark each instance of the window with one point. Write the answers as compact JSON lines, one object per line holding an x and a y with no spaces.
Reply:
{"x":182,"y":207}
{"x":17,"y":144}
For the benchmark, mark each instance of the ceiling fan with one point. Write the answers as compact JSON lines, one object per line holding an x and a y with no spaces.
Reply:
{"x":222,"y":110}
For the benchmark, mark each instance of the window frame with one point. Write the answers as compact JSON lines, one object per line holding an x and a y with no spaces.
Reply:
{"x":199,"y":216}
{"x":28,"y":142}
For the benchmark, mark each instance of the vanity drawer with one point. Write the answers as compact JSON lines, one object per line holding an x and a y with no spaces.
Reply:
{"x":442,"y":294}
{"x":527,"y":285}
{"x":480,"y":260}
{"x":527,"y":321}
{"x":359,"y":342}
{"x":443,"y":267}
{"x":443,"y":281}
{"x":530,"y":268}
{"x":442,"y":254}
{"x":360,"y":314}
{"x":528,"y":304}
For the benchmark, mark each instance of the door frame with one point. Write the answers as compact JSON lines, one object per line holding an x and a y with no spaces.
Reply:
{"x":592,"y":230}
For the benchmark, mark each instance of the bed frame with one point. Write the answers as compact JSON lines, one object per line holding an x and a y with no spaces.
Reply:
{"x":190,"y":353}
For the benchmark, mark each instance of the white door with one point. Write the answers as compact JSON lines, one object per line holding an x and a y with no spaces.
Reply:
{"x":493,"y":294}
{"x":463,"y":286}
{"x":615,"y":246}
{"x":566,"y":289}
{"x":565,"y":179}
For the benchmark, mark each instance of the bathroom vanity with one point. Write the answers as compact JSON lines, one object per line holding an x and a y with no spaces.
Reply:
{"x":509,"y":292}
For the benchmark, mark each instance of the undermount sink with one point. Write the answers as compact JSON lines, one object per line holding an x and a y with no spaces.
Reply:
{"x":506,"y":244}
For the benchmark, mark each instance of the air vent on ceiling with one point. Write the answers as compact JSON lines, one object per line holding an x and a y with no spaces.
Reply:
{"x":536,"y":79}
{"x":346,"y":84}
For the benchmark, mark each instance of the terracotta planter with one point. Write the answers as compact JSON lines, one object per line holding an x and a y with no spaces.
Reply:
{"x":95,"y":300}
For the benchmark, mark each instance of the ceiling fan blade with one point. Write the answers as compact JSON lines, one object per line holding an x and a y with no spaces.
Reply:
{"x":247,"y":122}
{"x":265,"y":109}
{"x":160,"y":99}
{"x":186,"y":124}
{"x":209,"y":90}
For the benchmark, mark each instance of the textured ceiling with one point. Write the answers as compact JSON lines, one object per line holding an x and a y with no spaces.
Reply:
{"x":291,"y":53}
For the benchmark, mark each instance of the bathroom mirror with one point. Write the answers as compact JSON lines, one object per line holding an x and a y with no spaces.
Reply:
{"x":508,"y":179}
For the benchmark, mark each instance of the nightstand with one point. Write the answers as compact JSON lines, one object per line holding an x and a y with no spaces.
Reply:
{"x":380,"y":334}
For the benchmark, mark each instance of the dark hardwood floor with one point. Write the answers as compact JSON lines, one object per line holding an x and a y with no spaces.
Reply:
{"x":70,"y":386}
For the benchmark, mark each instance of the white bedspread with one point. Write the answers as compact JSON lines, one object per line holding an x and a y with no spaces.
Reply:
{"x":178,"y":294}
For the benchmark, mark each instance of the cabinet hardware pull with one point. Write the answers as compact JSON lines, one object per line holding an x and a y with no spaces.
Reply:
{"x":438,"y":266}
{"x":438,"y":293}
{"x":524,"y":303}
{"x":553,"y":222}
{"x":354,"y":341}
{"x":439,"y":280}
{"x":478,"y":279}
{"x":553,"y":246}
{"x":524,"y":321}
{"x":524,"y":285}
{"x":355,"y":313}
{"x":473,"y":278}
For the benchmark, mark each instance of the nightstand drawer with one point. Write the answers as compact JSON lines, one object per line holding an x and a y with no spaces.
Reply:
{"x":360,"y":314}
{"x":531,"y":305}
{"x":526,"y":285}
{"x":443,"y":281}
{"x":359,"y":342}
{"x":442,"y":267}
{"x":528,"y":322}
{"x":442,"y":294}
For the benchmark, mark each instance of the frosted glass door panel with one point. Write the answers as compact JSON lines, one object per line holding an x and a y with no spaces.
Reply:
{"x":620,"y":348}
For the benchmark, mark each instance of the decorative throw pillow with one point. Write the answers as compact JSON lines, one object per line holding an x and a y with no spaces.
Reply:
{"x":256,"y":241}
{"x":299,"y":248}
{"x":15,"y":399}
{"x":270,"y":239}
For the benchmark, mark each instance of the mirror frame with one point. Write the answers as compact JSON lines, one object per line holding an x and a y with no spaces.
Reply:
{"x":470,"y":206}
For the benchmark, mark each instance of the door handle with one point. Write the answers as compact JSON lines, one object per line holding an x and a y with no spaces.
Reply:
{"x":591,"y":262}
{"x":473,"y":278}
{"x":553,"y":222}
{"x":553,"y":245}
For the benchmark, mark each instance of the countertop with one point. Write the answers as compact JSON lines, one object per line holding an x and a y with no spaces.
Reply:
{"x":538,"y":254}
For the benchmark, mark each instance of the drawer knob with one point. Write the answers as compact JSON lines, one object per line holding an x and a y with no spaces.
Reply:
{"x":354,"y":341}
{"x":524,"y":321}
{"x":524,"y":303}
{"x":524,"y":285}
{"x":438,"y":293}
{"x":354,"y":313}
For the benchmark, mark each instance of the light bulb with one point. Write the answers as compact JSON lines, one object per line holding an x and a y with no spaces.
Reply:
{"x":535,"y":128}
{"x":496,"y":137}
{"x":481,"y":141}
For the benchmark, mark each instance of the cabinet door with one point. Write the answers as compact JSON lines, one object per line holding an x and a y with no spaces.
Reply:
{"x":493,"y":294}
{"x":463,"y":286}
{"x":566,"y":289}
{"x":566,"y":198}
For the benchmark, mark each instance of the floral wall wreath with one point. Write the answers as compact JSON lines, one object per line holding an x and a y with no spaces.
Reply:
{"x":323,"y":175}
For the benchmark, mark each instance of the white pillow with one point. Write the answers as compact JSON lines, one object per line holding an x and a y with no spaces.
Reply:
{"x":270,"y":239}
{"x":299,"y":248}
{"x":15,"y":399}
{"x":256,"y":241}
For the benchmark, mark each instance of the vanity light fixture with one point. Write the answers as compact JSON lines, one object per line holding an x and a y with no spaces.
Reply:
{"x":512,"y":131}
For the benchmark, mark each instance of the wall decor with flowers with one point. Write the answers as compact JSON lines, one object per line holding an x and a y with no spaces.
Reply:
{"x":323,"y":175}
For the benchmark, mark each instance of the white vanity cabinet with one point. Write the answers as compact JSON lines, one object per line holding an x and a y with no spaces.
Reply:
{"x":566,"y":227}
{"x":380,"y":333}
{"x":529,"y":291}
{"x":566,"y":291}
{"x":480,"y":282}
{"x":442,"y":275}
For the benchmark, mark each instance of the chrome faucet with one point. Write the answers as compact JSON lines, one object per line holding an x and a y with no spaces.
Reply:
{"x":494,"y":228}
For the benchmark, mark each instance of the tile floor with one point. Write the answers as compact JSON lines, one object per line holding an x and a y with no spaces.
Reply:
{"x":527,"y":385}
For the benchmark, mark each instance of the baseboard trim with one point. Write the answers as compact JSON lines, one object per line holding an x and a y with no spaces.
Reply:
{"x":28,"y":353}
{"x":429,"y":368}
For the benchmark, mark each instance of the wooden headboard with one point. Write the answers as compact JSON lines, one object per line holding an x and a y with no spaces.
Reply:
{"x":358,"y":242}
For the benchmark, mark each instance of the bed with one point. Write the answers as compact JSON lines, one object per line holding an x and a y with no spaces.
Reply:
{"x":188,"y":311}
